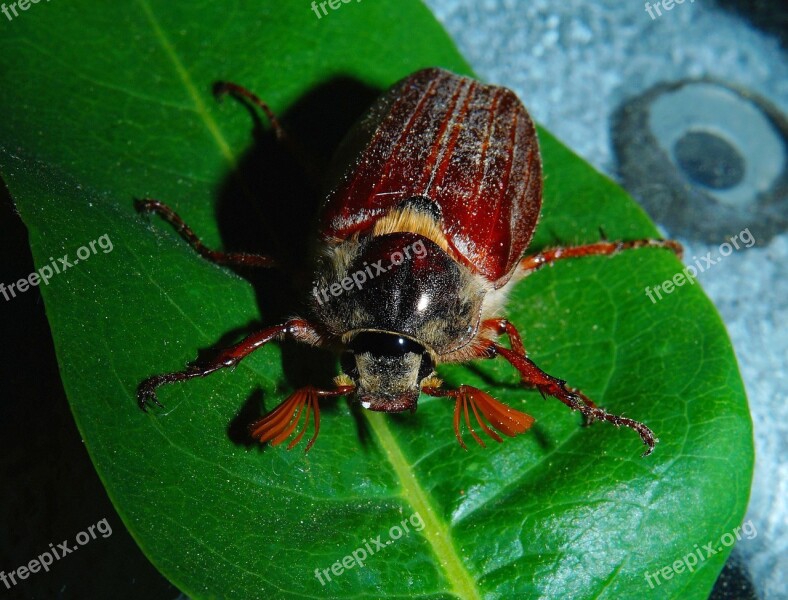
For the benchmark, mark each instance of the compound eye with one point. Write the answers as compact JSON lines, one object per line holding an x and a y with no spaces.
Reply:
{"x":379,"y":343}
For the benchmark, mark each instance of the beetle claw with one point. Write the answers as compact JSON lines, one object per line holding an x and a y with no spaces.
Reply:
{"x":146,"y":394}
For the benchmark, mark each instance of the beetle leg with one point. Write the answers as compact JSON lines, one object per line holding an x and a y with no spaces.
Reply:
{"x":296,"y":329}
{"x":504,"y":327}
{"x":507,"y":420}
{"x":536,"y":261}
{"x":221,"y":88}
{"x":547,"y":384}
{"x":281,"y":422}
{"x":240,"y":259}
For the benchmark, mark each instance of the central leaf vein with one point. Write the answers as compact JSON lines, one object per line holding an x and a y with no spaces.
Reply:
{"x":435,"y":530}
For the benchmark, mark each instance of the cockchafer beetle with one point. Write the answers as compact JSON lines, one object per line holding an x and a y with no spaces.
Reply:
{"x":421,"y":240}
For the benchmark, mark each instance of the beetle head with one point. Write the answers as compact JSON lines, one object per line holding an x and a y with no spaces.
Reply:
{"x":403,"y":304}
{"x":386,"y":369}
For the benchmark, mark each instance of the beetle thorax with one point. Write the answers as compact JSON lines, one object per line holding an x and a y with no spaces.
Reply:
{"x":398,"y":282}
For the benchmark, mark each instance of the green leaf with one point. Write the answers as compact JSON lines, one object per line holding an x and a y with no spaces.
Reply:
{"x":105,"y":103}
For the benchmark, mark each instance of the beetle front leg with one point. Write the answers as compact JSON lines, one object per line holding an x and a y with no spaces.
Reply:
{"x":547,"y":384}
{"x":536,"y":261}
{"x":296,"y":329}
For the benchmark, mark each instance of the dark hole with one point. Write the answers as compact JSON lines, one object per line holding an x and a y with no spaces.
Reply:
{"x":709,"y":160}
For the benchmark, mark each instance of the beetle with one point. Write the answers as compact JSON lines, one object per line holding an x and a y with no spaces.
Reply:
{"x":421,"y":239}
